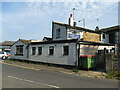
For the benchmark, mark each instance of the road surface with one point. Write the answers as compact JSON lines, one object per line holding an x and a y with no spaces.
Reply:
{"x":16,"y":77}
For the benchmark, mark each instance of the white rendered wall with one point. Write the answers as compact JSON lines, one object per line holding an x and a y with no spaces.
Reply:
{"x":106,"y":40}
{"x":13,"y":51}
{"x":107,"y":47}
{"x":58,"y":57}
{"x":62,"y":32}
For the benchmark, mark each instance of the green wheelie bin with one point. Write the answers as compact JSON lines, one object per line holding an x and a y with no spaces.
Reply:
{"x":88,"y":61}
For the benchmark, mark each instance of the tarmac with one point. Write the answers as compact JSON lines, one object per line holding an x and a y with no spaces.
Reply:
{"x":84,"y":73}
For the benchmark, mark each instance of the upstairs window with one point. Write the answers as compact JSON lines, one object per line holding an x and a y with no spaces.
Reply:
{"x":39,"y":50}
{"x":51,"y":50}
{"x":19,"y":50}
{"x":33,"y":50}
{"x":65,"y":50}
{"x":103,"y":36}
{"x":58,"y":33}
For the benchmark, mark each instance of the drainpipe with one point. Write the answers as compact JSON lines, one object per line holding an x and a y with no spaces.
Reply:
{"x":78,"y":54}
{"x":104,"y":59}
{"x":27,"y":51}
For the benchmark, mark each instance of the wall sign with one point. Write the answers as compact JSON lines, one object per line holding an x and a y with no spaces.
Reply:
{"x":74,"y":36}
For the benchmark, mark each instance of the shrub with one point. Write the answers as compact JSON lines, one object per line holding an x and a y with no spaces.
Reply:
{"x":114,"y":75}
{"x":16,"y":60}
{"x":51,"y":65}
{"x":11,"y":60}
{"x":75,"y":70}
{"x":25,"y":62}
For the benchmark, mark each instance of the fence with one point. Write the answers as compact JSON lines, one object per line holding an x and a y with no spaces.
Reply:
{"x":107,"y":62}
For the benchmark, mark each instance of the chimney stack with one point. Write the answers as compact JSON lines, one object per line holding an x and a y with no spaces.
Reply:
{"x":71,"y":20}
{"x":97,"y":28}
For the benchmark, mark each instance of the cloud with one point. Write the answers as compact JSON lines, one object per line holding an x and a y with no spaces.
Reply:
{"x":34,"y":20}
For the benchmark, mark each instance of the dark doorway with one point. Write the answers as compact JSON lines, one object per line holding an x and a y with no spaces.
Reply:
{"x":112,"y":38}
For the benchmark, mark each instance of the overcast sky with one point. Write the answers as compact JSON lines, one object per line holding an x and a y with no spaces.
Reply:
{"x":33,"y":20}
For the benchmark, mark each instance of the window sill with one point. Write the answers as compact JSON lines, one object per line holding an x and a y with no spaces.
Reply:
{"x":57,"y":37}
{"x":18,"y":54}
{"x":39,"y":54}
{"x":65,"y":54}
{"x":51,"y":54}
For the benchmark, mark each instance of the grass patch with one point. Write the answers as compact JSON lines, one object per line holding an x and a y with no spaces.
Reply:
{"x":113,"y":75}
{"x":15,"y":60}
{"x":46,"y":64}
{"x":11,"y":60}
{"x":26,"y":62}
{"x":51,"y":65}
{"x":75,"y":70}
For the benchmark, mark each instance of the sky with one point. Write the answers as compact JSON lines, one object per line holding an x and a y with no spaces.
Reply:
{"x":33,"y":20}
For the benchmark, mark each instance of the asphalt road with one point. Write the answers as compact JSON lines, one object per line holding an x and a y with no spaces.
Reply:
{"x":16,"y":77}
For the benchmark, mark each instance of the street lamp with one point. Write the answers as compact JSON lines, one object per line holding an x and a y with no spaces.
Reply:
{"x":73,"y":13}
{"x":83,"y":22}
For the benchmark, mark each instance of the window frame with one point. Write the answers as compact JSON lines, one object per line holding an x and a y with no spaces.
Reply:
{"x":34,"y":51}
{"x":50,"y":51}
{"x":64,"y":51}
{"x":39,"y":52}
{"x":19,"y":50}
{"x":58,"y":33}
{"x":103,"y":36}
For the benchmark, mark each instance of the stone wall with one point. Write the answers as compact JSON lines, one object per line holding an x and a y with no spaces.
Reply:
{"x":100,"y":62}
{"x":87,"y":36}
{"x":107,"y":62}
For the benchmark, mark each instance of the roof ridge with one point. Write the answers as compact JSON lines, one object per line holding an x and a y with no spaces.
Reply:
{"x":77,"y":27}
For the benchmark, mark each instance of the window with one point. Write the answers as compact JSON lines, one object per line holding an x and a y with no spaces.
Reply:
{"x":33,"y":50}
{"x":65,"y":50}
{"x":58,"y":33}
{"x":103,"y":36}
{"x":19,"y":50}
{"x":39,"y":50}
{"x":51,"y":50}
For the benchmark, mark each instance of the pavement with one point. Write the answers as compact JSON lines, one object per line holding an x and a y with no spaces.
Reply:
{"x":21,"y":75}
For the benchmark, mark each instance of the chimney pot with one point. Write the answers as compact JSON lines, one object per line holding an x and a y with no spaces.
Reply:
{"x":70,"y":15}
{"x":71,"y":21}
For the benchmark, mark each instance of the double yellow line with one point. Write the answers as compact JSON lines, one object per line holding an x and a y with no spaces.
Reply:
{"x":36,"y":68}
{"x":20,"y":66}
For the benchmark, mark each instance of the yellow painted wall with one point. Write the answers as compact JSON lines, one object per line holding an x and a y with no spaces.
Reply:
{"x":87,"y":36}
